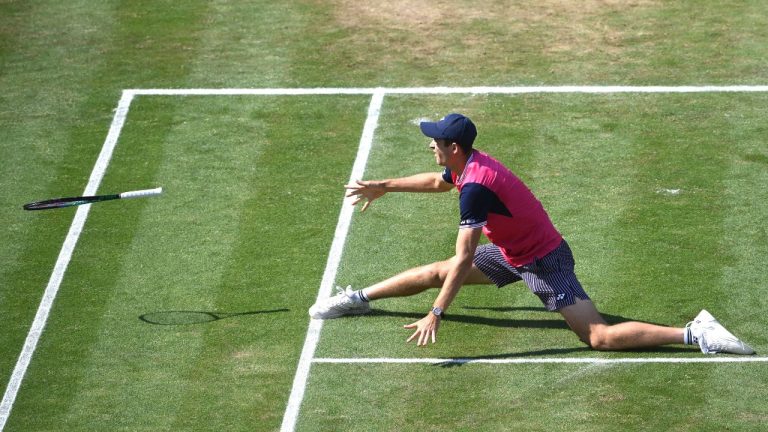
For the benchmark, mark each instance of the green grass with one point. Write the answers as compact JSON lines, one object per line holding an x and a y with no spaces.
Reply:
{"x":537,"y":398}
{"x":253,"y":188}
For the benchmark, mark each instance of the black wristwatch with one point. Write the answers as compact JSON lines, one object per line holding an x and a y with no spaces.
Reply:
{"x":437,"y":311}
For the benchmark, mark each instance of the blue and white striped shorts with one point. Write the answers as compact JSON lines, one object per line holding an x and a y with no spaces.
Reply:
{"x":552,"y":277}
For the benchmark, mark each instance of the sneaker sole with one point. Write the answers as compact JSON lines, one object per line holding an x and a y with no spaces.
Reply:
{"x":340,"y":314}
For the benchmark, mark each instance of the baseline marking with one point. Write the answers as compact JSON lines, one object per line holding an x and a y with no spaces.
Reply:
{"x":565,"y":360}
{"x":65,"y":255}
{"x":334,"y":258}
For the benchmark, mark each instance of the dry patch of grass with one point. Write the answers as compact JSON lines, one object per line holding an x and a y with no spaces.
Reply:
{"x":433,"y":25}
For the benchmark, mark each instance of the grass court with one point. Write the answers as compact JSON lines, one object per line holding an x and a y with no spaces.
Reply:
{"x":639,"y":125}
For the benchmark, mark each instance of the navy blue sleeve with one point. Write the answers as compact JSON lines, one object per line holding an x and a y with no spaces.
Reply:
{"x":447,"y":176}
{"x":475,"y":201}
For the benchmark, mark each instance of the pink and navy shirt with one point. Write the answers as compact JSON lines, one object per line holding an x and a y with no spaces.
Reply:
{"x":492,"y":197}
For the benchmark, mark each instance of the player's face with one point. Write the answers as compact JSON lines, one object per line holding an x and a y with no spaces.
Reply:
{"x":442,"y":151}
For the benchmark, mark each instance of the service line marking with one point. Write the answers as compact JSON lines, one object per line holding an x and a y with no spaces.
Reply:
{"x":449,"y":90}
{"x":562,"y":360}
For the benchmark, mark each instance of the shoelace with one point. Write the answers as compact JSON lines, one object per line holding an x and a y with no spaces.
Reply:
{"x":340,"y":297}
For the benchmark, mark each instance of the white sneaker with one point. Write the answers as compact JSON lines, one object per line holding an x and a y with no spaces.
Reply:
{"x":343,"y":303}
{"x":713,"y":338}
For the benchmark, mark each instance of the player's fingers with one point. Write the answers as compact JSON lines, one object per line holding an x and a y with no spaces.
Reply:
{"x":424,"y":338}
{"x":356,"y":186}
{"x":353,"y":192}
{"x":433,"y":336}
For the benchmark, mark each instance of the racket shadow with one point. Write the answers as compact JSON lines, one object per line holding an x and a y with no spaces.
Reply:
{"x":185,"y":317}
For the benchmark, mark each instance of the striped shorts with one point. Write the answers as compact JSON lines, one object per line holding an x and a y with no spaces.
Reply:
{"x":551,"y":278}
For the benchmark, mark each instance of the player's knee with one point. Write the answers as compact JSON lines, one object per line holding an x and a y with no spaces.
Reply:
{"x":599,"y":339}
{"x":435,"y":273}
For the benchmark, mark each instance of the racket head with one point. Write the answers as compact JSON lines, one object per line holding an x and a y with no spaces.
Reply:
{"x":66,"y":202}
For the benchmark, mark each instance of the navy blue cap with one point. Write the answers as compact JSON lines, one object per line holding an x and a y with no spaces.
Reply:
{"x":454,"y":127}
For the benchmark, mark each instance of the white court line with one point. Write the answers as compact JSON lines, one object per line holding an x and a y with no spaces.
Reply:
{"x":449,"y":90}
{"x":566,"y":360}
{"x":334,"y":258}
{"x":30,"y":344}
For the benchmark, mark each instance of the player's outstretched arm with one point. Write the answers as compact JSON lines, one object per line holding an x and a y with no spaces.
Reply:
{"x":369,"y":190}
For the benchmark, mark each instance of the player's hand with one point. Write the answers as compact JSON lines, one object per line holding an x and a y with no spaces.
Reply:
{"x":364,"y":190}
{"x":426,"y":329}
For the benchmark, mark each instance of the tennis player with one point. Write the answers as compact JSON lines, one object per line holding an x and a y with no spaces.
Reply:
{"x":524,"y":245}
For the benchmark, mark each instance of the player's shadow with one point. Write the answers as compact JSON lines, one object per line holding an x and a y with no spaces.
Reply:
{"x":556,"y":322}
{"x":461,"y":361}
{"x":186,"y":317}
{"x":545,"y":323}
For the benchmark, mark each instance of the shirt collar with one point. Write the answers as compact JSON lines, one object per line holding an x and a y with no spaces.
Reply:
{"x":463,"y":173}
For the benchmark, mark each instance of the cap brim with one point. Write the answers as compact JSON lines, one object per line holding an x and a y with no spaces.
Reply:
{"x":430,"y":129}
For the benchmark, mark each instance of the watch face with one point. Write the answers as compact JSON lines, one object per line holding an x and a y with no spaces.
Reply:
{"x":437,"y":311}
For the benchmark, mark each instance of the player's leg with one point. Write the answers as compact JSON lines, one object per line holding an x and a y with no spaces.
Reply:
{"x":704,"y":331}
{"x":552,"y":278}
{"x":488,"y":267}
{"x":419,"y":279}
{"x":584,"y":319}
{"x":407,"y":283}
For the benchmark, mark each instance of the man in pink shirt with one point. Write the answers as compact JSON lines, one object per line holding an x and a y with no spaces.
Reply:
{"x":524,"y":245}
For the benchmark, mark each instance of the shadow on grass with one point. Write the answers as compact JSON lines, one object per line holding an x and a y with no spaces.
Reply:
{"x":555,"y":323}
{"x":460,"y":361}
{"x":756,"y":157}
{"x":610,"y":319}
{"x":480,"y":320}
{"x":196,"y":317}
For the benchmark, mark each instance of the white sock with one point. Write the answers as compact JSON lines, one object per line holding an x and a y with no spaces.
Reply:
{"x":363,"y":295}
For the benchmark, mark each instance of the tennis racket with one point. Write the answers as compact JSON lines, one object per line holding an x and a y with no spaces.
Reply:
{"x":76,"y":201}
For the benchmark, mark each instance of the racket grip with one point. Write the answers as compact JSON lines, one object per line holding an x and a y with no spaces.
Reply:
{"x":142,"y":193}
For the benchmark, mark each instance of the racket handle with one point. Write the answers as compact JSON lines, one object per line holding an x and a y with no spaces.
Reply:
{"x":141,"y":193}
